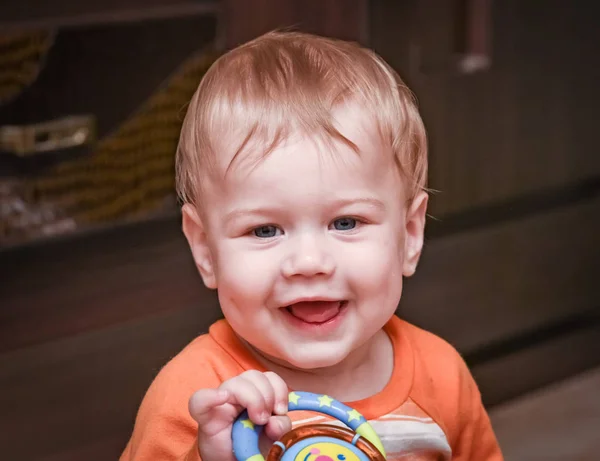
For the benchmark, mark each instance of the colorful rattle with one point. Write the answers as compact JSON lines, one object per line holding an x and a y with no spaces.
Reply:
{"x":312,"y":442}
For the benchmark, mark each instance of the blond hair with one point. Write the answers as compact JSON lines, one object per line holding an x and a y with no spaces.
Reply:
{"x":289,"y":82}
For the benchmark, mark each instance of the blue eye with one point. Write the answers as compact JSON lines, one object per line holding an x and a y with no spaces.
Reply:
{"x":342,"y":457}
{"x":266,"y":232}
{"x":344,"y":224}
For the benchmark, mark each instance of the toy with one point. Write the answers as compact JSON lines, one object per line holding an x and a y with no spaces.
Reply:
{"x":312,"y":442}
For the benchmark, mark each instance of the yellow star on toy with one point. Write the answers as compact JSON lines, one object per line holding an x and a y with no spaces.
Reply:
{"x":325,"y":401}
{"x":353,"y":414}
{"x":293,"y":398}
{"x":248,"y":424}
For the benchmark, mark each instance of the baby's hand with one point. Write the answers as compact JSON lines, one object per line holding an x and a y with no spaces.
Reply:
{"x":264,"y":395}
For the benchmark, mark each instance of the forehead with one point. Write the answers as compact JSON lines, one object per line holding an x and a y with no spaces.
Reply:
{"x":243,"y":155}
{"x":304,"y":175}
{"x":309,"y":174}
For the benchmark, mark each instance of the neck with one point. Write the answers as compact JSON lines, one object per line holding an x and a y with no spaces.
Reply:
{"x":363,"y":373}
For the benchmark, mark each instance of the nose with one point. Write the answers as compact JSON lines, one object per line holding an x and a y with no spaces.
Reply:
{"x":308,"y":258}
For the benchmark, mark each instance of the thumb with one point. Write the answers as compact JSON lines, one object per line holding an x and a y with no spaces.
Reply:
{"x":202,"y":402}
{"x":277,"y":426}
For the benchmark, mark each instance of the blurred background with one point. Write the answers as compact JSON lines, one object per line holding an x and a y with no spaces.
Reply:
{"x":98,"y":289}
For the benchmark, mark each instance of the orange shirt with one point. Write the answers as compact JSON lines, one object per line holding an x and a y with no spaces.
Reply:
{"x":430,"y":410}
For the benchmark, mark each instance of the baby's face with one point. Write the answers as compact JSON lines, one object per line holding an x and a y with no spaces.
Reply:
{"x":308,"y":248}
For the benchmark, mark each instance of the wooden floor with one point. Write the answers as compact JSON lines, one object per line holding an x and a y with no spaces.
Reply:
{"x":560,"y":422}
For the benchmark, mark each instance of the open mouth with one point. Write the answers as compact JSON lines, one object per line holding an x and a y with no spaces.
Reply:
{"x":316,"y":312}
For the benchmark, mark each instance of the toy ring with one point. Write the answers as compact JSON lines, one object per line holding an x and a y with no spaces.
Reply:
{"x":323,"y":442}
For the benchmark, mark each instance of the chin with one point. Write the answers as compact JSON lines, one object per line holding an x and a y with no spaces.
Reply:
{"x":312,"y":361}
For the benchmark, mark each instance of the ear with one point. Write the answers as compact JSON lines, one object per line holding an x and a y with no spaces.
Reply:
{"x":195,"y":233}
{"x":414,"y":233}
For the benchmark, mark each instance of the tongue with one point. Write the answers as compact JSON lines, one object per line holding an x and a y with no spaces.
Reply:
{"x":316,"y":311}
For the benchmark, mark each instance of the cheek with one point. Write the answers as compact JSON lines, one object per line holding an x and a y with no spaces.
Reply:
{"x":244,"y":276}
{"x":375,"y":266}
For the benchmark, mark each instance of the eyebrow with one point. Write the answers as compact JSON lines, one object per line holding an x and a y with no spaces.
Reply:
{"x":373,"y":202}
{"x":242,"y":212}
{"x":266,"y":211}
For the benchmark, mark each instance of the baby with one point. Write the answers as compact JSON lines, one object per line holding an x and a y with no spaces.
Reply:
{"x":302,"y":166}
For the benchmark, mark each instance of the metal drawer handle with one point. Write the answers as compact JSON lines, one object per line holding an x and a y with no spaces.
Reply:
{"x":40,"y":138}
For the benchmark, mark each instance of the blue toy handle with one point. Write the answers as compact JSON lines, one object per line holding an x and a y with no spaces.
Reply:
{"x":245,"y":433}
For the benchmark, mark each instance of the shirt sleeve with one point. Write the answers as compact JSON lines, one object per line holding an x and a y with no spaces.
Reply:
{"x":446,"y":390}
{"x":163,"y":429}
{"x":475,"y":439}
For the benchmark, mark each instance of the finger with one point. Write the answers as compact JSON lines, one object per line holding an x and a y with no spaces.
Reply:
{"x":203,"y":401}
{"x":245,"y":394}
{"x":281,"y":392}
{"x":277,"y":426}
{"x":264,"y":386}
